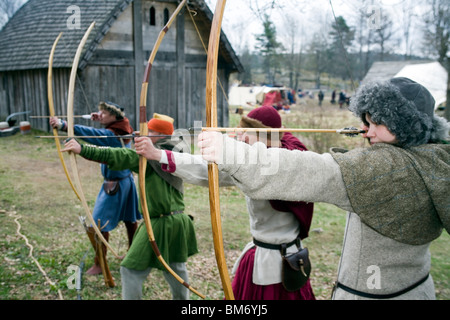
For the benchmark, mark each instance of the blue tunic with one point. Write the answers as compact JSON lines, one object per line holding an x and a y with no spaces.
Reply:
{"x":123,"y":205}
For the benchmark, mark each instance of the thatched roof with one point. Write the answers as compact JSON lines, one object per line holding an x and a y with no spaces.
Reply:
{"x":26,"y":39}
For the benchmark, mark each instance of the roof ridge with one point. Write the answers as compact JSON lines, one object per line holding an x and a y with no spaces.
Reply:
{"x":102,"y":31}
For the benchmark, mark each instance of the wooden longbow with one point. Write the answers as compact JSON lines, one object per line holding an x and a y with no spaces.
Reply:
{"x":143,"y":130}
{"x":51,"y":107}
{"x":73,"y":161}
{"x":213,"y":172}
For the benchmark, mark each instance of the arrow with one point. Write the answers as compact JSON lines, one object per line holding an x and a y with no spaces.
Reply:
{"x":347,"y":131}
{"x":84,"y":116}
{"x":341,"y":131}
{"x":128,"y":136}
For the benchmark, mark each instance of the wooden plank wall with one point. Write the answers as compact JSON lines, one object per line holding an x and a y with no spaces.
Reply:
{"x":177,"y":80}
{"x":106,"y":83}
{"x":27,"y":90}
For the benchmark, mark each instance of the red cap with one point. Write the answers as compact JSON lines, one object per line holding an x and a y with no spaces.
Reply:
{"x":265,"y":116}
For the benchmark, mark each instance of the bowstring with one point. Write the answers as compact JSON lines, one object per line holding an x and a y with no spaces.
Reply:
{"x":204,"y":47}
{"x":80,"y":84}
{"x":347,"y":63}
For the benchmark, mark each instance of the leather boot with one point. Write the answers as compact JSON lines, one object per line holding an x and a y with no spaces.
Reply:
{"x":131,"y":230}
{"x":96,"y":268}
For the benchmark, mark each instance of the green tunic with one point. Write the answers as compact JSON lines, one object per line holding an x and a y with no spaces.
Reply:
{"x":174,"y":234}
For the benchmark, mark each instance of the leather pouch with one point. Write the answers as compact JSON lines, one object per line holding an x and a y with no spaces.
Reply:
{"x":296,"y":269}
{"x":111,"y":187}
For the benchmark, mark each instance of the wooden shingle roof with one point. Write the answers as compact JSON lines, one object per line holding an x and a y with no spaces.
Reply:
{"x":26,"y":40}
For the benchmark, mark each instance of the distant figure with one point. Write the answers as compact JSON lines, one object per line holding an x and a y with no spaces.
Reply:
{"x":333,"y":97}
{"x":291,"y":97}
{"x":320,"y":97}
{"x":341,"y":99}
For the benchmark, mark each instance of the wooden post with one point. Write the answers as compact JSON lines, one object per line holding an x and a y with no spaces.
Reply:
{"x":181,"y":73}
{"x":138,"y":55}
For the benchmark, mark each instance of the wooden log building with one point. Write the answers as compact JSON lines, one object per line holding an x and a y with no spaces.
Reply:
{"x":113,"y":60}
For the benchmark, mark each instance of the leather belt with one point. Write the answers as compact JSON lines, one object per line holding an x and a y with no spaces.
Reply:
{"x":117,"y":179}
{"x":381,"y":296}
{"x":275,"y":246}
{"x":169,"y":214}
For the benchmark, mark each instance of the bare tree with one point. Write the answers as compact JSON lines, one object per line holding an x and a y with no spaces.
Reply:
{"x":407,"y":18}
{"x":319,"y":53}
{"x":361,"y":39}
{"x":298,"y":64}
{"x":437,"y":37}
{"x":384,"y":33}
{"x":292,"y":30}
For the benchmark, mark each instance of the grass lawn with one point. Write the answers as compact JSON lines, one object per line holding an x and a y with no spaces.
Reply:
{"x":36,"y":197}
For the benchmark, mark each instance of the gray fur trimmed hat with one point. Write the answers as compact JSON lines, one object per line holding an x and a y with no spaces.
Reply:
{"x":405,"y":107}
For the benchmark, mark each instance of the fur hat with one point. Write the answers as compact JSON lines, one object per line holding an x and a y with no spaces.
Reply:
{"x":112,"y":108}
{"x":405,"y":107}
{"x":161,"y":123}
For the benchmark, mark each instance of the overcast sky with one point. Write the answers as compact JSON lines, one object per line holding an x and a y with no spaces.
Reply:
{"x":241,"y":24}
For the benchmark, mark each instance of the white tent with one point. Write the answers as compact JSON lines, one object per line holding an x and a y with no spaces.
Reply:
{"x":432,"y":76}
{"x":241,"y":96}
